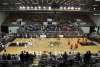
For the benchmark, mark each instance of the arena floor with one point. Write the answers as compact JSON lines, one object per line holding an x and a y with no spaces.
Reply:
{"x":55,"y":45}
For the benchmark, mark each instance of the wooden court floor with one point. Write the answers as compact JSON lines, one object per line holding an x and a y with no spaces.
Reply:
{"x":55,"y":45}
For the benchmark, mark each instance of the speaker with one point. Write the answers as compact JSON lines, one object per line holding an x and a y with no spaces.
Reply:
{"x":92,"y":29}
{"x":4,"y":29}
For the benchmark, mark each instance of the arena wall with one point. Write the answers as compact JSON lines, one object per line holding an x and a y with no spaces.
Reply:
{"x":2,"y":18}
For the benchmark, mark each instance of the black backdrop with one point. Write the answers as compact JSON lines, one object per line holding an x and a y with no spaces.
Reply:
{"x":4,"y":29}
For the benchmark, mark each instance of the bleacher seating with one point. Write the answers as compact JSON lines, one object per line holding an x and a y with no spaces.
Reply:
{"x":4,"y":39}
{"x":49,"y":59}
{"x":39,"y":24}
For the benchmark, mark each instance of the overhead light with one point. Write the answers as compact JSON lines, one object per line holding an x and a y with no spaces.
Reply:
{"x":76,"y":8}
{"x":79,"y":8}
{"x":94,"y":8}
{"x":35,"y":8}
{"x":49,"y":7}
{"x":69,"y":8}
{"x":31,"y":7}
{"x":72,"y":8}
{"x":61,"y":7}
{"x":27,"y":7}
{"x":44,"y":7}
{"x":20,"y":7}
{"x":64,"y":8}
{"x":39,"y":7}
{"x":24,"y":7}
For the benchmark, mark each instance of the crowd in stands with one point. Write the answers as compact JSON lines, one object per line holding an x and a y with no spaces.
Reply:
{"x":50,"y":59}
{"x":23,"y":57}
{"x":4,"y":39}
{"x":64,"y":60}
{"x":51,"y":29}
{"x":6,"y":57}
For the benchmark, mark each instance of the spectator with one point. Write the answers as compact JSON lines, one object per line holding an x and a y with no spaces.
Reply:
{"x":65,"y":57}
{"x":4,"y":56}
{"x":87,"y":57}
{"x":26,"y":56}
{"x":34,"y":55}
{"x":22,"y":57}
{"x":8,"y":57}
{"x":78,"y":57}
{"x":44,"y":55}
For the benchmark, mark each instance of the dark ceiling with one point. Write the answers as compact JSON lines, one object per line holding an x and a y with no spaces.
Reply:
{"x":15,"y":4}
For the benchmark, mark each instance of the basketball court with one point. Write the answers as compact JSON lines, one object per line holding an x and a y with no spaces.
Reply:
{"x":55,"y":45}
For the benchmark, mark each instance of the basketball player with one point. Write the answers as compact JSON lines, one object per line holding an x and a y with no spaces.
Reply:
{"x":71,"y":47}
{"x":26,"y":36}
{"x":76,"y":45}
{"x":68,"y":42}
{"x":86,"y":40}
{"x":17,"y":43}
{"x":4,"y":50}
{"x":78,"y":41}
{"x":51,"y":44}
{"x":29,"y":43}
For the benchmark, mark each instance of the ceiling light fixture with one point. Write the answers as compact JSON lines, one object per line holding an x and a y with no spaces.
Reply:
{"x":49,"y":7}
{"x":35,"y":8}
{"x":79,"y":8}
{"x":69,"y":8}
{"x":20,"y":7}
{"x":39,"y":7}
{"x":31,"y":7}
{"x":64,"y":8}
{"x":75,"y":8}
{"x":61,"y":8}
{"x":23,"y":7}
{"x":72,"y":8}
{"x":44,"y":7}
{"x":27,"y":7}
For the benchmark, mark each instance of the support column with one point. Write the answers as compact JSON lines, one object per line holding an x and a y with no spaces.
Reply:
{"x":98,"y":28}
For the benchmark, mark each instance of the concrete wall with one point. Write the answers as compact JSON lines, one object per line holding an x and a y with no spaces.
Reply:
{"x":85,"y":29}
{"x":96,"y":19}
{"x":2,"y":18}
